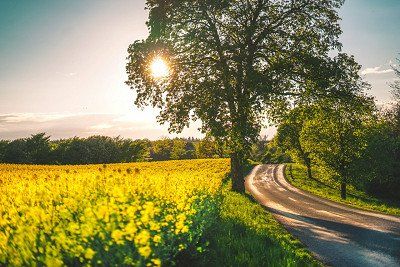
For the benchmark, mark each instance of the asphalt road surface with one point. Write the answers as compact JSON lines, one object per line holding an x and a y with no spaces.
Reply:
{"x":336,"y":234}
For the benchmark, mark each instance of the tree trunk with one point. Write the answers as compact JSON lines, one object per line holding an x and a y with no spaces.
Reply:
{"x":309,"y":174}
{"x":237,"y":172}
{"x":307,"y":162}
{"x":343,"y":190}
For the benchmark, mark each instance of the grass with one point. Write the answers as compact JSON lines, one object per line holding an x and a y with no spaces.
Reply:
{"x":327,"y":188}
{"x":245,"y":234}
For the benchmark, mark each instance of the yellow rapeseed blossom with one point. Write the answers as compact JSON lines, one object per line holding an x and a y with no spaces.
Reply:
{"x":145,"y":251}
{"x":117,"y":236}
{"x":89,"y":253}
{"x":156,"y":262}
{"x":119,"y":214}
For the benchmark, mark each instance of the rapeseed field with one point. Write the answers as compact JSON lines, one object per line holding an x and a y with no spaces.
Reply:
{"x":141,"y":214}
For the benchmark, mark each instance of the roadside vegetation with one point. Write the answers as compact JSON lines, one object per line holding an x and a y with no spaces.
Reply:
{"x":352,"y":145}
{"x":245,"y":234}
{"x":325,"y":187}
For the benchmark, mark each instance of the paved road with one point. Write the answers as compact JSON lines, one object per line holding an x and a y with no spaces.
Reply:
{"x":337,"y":234}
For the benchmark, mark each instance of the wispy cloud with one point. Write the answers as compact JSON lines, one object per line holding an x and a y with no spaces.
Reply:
{"x":376,"y":70}
{"x":31,"y":117}
{"x":101,"y":126}
{"x":64,"y":125}
{"x":69,"y":74}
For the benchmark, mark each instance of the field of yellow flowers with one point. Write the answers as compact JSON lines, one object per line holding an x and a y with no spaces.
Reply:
{"x":132,"y":214}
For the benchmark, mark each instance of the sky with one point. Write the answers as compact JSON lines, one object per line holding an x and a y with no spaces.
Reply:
{"x":62,"y":64}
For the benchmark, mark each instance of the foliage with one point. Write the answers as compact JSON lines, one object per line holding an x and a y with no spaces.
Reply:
{"x":15,"y":152}
{"x":377,"y":170}
{"x":245,"y":234}
{"x":379,"y":165}
{"x":232,"y":62}
{"x":324,"y":186}
{"x":396,"y":84}
{"x":131,"y":214}
{"x":267,"y":151}
{"x":350,"y":143}
{"x":161,"y":149}
{"x":289,"y":133}
{"x":334,"y":136}
{"x":209,"y":148}
{"x":39,"y":149}
{"x":3,"y":146}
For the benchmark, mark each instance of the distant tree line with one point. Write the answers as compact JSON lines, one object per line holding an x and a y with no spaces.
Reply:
{"x":40,"y":149}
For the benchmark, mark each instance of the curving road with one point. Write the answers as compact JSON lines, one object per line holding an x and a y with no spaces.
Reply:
{"x":336,"y":234}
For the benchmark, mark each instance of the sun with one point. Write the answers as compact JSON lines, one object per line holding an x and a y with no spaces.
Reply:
{"x":159,"y":68}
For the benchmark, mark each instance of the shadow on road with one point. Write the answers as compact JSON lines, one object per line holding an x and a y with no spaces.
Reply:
{"x":336,"y":236}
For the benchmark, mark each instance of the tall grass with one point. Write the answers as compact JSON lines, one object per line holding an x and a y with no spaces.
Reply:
{"x":245,"y":234}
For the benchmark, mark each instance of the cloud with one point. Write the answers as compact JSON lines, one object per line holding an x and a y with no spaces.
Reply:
{"x":376,"y":70}
{"x":135,"y":125}
{"x":65,"y":125}
{"x":67,"y":75}
{"x":101,"y":126}
{"x":31,"y":117}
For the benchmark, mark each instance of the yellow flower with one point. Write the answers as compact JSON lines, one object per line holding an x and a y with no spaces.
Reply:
{"x":156,"y":262}
{"x":169,"y":218}
{"x":157,"y":239}
{"x":89,"y":253}
{"x":77,"y":204}
{"x":117,"y":235}
{"x":54,"y":262}
{"x":145,"y":251}
{"x":142,"y":238}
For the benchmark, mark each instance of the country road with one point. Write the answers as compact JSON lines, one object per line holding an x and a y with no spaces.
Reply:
{"x":336,"y":234}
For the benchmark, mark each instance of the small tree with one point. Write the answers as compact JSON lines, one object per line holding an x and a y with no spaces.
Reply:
{"x":38,"y":149}
{"x":3,"y":147}
{"x":233,"y":62}
{"x":289,"y":133}
{"x":140,"y":150}
{"x":16,"y":152}
{"x":178,"y":149}
{"x":379,"y":166}
{"x":396,"y":84}
{"x":72,"y":151}
{"x":207,"y":148}
{"x":395,"y":119}
{"x":334,"y":135}
{"x":161,"y":149}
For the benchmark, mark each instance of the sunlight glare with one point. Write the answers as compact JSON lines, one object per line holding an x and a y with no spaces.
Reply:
{"x":159,"y":68}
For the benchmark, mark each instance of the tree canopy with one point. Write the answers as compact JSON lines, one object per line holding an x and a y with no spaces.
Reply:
{"x":235,"y":63}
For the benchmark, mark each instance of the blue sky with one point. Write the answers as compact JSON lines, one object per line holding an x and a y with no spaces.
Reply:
{"x":62,"y":64}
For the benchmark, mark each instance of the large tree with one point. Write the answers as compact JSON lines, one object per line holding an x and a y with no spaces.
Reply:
{"x":233,"y":62}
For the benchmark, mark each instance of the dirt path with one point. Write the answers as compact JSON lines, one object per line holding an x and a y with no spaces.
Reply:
{"x":337,"y":234}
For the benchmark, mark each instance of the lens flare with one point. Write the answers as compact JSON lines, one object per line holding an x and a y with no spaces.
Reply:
{"x":159,"y":68}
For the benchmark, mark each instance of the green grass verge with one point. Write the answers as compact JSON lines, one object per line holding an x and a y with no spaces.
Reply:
{"x":245,"y":234}
{"x":328,"y":188}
